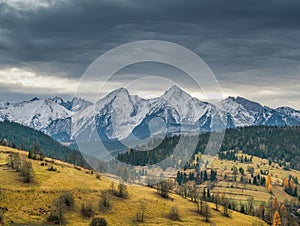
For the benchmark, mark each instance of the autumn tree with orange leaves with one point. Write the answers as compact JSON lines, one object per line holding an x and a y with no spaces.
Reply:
{"x":269,"y":183}
{"x":276,"y":219}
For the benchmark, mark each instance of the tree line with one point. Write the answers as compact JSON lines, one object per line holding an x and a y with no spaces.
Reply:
{"x":278,"y":144}
{"x":23,"y":138}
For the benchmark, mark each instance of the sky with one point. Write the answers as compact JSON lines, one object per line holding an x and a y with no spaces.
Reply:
{"x":252,"y":47}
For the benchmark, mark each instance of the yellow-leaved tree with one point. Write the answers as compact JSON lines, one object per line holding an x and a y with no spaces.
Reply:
{"x":269,"y":183}
{"x":276,"y":219}
{"x":286,"y":183}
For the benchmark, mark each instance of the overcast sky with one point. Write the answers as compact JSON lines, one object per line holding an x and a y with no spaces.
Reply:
{"x":253,"y":47}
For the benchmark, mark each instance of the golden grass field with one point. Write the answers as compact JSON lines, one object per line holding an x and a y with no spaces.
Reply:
{"x":31,"y":203}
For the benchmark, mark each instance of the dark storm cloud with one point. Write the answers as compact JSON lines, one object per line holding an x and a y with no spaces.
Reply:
{"x":239,"y":40}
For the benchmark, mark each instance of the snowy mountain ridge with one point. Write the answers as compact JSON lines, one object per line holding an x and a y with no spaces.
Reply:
{"x":119,"y":114}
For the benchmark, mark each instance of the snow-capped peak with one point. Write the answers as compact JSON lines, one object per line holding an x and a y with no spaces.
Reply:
{"x":249,"y":105}
{"x":176,"y":94}
{"x":242,"y":110}
{"x":77,"y":104}
{"x":113,"y":94}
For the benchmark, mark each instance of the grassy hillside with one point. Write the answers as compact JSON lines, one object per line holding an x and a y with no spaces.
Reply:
{"x":31,"y":203}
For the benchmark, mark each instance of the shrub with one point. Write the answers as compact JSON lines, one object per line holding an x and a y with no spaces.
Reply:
{"x":64,"y":201}
{"x":26,"y":171}
{"x":141,"y":211}
{"x":52,"y":168}
{"x":98,"y":221}
{"x":174,"y":214}
{"x":55,"y":218}
{"x":90,"y":172}
{"x":57,"y":214}
{"x":122,"y":191}
{"x":104,"y":204}
{"x":67,"y":199}
{"x":163,"y":188}
{"x":87,"y":209}
{"x":43,"y":164}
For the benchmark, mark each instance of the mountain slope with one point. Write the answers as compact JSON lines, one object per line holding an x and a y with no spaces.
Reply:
{"x":24,"y":137}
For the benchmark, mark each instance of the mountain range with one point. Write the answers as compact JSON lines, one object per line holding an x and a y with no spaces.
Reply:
{"x":120,"y":115}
